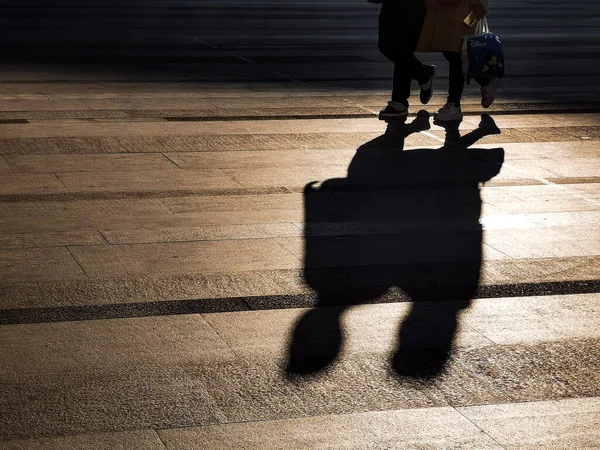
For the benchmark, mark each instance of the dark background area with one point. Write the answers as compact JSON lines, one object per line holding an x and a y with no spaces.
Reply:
{"x":331,"y":42}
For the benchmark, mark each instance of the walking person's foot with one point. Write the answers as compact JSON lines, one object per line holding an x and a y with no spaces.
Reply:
{"x":488,"y":93}
{"x":450,"y":112}
{"x":427,"y":86}
{"x":394,"y":110}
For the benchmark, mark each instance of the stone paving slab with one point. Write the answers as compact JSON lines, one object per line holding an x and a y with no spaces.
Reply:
{"x":45,"y":104}
{"x":189,"y":143}
{"x":51,"y":129}
{"x":559,"y":204}
{"x":557,"y":168}
{"x":201,"y":233}
{"x":151,"y":289}
{"x":553,"y":424}
{"x":122,"y":104}
{"x":222,"y":218}
{"x":231,"y":291}
{"x":20,"y":295}
{"x":556,"y":157}
{"x":287,"y":176}
{"x":4,"y":167}
{"x":183,"y":370}
{"x":45,"y":217}
{"x":589,"y":190}
{"x":125,"y":440}
{"x":572,"y":227}
{"x":419,"y":429}
{"x":11,"y":184}
{"x":264,"y":159}
{"x":109,"y":345}
{"x":227,"y":203}
{"x":149,"y":180}
{"x":544,"y":243}
{"x":183,"y":258}
{"x":51,"y":239}
{"x":572,"y":167}
{"x":329,"y":141}
{"x":365,"y":382}
{"x":368,"y":329}
{"x":89,"y":163}
{"x":570,"y":423}
{"x":37,"y":264}
{"x":99,"y":401}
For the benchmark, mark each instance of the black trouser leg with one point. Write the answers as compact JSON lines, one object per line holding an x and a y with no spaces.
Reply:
{"x":457,"y":80}
{"x":406,"y":68}
{"x":400,"y":24}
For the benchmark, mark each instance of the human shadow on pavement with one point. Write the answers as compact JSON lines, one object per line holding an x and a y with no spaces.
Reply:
{"x":400,"y":219}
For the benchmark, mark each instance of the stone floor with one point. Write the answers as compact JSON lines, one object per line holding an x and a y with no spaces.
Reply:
{"x":208,"y":240}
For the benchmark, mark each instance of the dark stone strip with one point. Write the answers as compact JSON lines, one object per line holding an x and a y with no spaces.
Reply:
{"x":12,"y":121}
{"x":383,"y":187}
{"x":278,"y":117}
{"x":124,"y":116}
{"x":69,"y":196}
{"x":99,"y":79}
{"x":341,"y":298}
{"x":495,"y":112}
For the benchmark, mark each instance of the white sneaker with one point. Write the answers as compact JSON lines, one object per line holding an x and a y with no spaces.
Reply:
{"x":448,"y":113}
{"x":488,"y":93}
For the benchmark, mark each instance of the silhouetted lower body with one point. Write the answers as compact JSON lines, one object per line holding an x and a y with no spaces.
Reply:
{"x":400,"y":25}
{"x":457,"y":80}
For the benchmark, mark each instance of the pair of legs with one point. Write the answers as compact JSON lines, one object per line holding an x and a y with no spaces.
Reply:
{"x":407,"y":68}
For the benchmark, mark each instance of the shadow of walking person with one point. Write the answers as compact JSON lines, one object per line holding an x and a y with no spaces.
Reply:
{"x":400,"y":219}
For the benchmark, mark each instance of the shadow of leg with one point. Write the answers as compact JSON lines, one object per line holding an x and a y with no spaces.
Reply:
{"x":316,"y":341}
{"x":426,"y":339}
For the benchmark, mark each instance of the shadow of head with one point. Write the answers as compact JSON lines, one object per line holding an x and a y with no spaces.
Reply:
{"x":402,"y":218}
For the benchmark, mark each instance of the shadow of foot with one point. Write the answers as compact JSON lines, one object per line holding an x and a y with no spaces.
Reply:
{"x":316,"y":342}
{"x":421,"y":363}
{"x":488,"y":125}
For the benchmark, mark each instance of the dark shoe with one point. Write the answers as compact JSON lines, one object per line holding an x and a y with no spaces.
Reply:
{"x":427,"y":86}
{"x":394,"y":110}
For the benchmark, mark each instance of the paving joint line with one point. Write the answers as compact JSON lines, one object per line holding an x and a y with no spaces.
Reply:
{"x":478,"y":427}
{"x":171,"y":160}
{"x":78,"y":263}
{"x":103,"y":237}
{"x":160,"y":439}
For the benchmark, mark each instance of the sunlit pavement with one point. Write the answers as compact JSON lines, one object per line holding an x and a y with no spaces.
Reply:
{"x":162,"y":246}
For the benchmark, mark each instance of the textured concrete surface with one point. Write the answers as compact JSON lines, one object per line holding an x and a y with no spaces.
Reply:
{"x":163,"y":248}
{"x":417,"y":428}
{"x":127,"y":440}
{"x":544,"y":425}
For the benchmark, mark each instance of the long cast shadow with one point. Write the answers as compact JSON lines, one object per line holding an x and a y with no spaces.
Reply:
{"x":400,"y":219}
